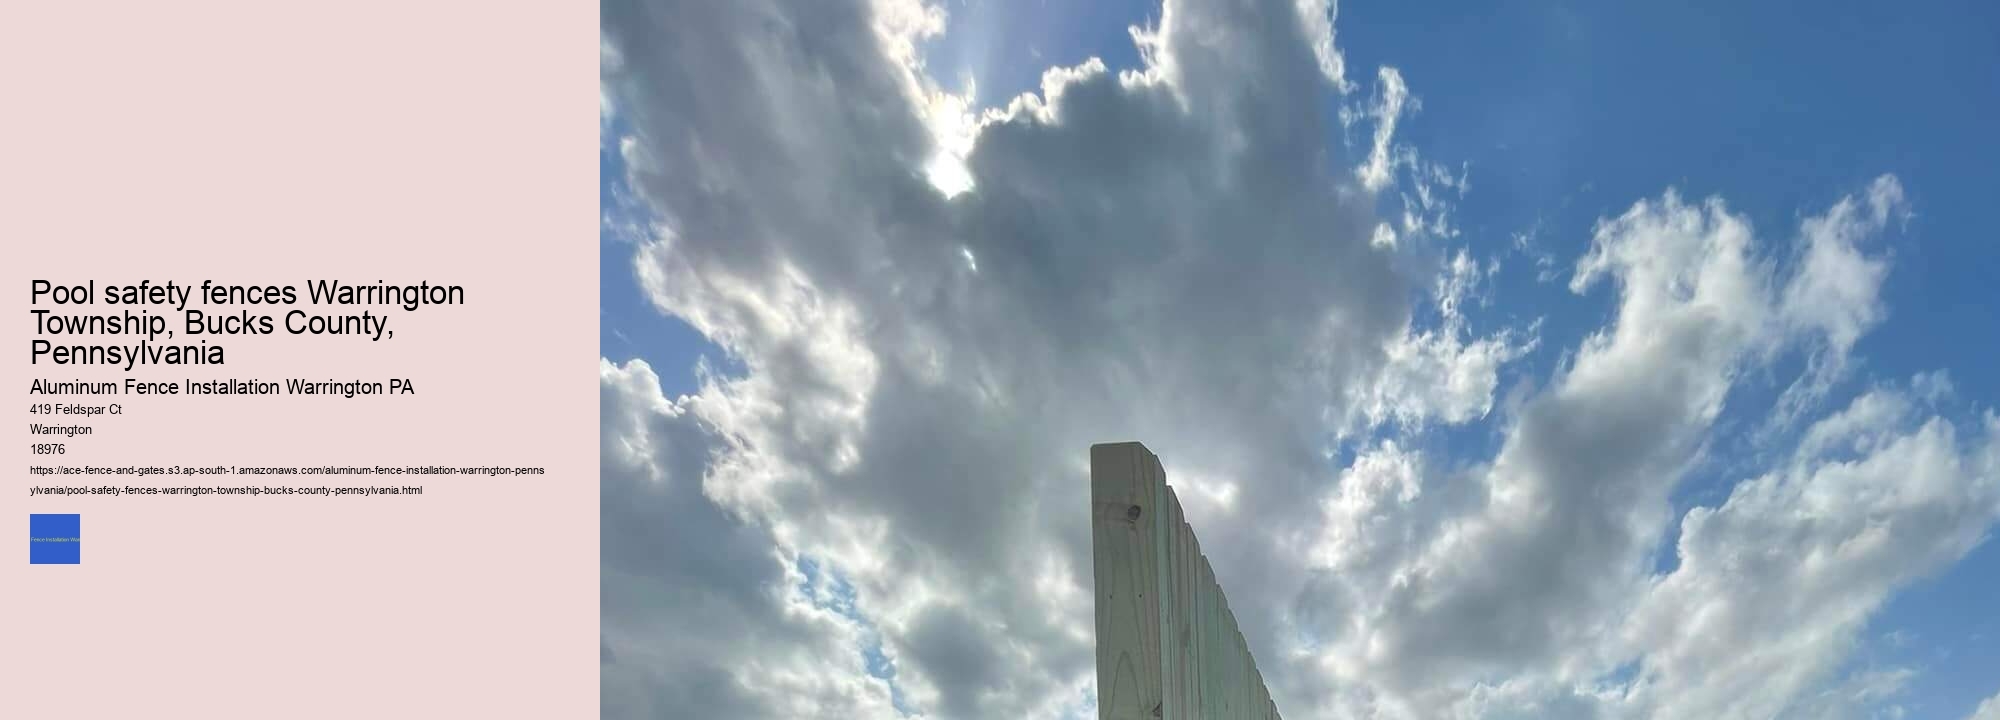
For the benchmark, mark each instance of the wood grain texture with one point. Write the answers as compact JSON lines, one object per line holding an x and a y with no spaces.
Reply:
{"x":1168,"y":647}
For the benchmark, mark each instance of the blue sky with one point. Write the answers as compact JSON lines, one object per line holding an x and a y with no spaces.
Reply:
{"x":1557,"y":115}
{"x":1566,"y":111}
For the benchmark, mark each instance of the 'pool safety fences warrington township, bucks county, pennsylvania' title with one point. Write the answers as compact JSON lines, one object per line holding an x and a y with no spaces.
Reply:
{"x":142,"y":311}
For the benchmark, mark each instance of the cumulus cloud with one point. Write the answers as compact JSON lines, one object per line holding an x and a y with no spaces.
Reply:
{"x":1774,"y":585}
{"x":1836,"y":290}
{"x":1988,"y":710}
{"x":1541,"y":575}
{"x":1317,"y":17}
{"x":1531,"y":568}
{"x":685,"y":583}
{"x":918,"y":422}
{"x":885,"y":513}
{"x":1441,"y":372}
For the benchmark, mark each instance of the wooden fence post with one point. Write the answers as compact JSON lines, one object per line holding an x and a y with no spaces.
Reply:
{"x":1168,"y":647}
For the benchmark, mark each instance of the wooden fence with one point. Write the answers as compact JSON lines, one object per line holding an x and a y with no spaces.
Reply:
{"x":1167,"y":645}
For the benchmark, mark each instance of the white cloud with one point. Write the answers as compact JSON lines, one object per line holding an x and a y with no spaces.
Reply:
{"x":915,"y":422}
{"x":1533,"y":552}
{"x":1519,"y":585}
{"x":1375,"y":173}
{"x":1988,"y":710}
{"x":1836,"y":290}
{"x":1441,"y":372}
{"x":701,"y":615}
{"x":1316,"y":17}
{"x":1182,"y":254}
{"x":1427,"y":191}
{"x":1774,"y":585}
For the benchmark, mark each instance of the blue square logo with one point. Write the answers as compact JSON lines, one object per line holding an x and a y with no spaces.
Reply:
{"x":55,"y":539}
